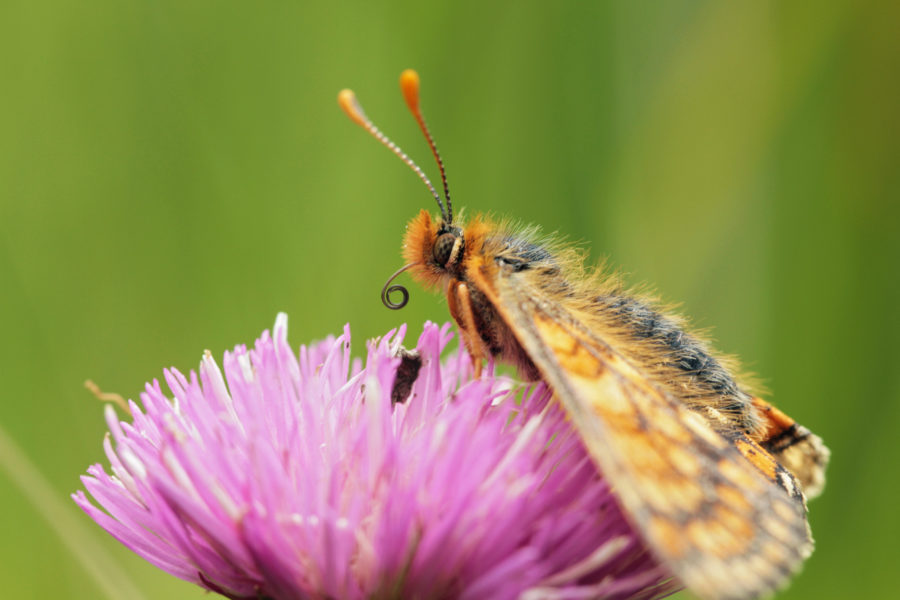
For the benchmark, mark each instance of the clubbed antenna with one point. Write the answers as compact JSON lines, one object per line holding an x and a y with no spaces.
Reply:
{"x":409,"y":85}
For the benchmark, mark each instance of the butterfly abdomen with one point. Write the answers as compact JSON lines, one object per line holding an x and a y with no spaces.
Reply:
{"x":679,"y":360}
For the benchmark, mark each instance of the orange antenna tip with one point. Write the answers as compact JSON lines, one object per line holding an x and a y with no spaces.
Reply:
{"x":409,"y":85}
{"x":350,"y":105}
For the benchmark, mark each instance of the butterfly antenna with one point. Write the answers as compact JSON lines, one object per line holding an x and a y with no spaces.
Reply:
{"x":409,"y":85}
{"x":347,"y":101}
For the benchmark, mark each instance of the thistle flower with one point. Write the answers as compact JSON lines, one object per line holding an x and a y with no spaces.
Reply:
{"x":296,"y":476}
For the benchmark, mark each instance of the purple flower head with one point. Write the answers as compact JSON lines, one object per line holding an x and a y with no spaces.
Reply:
{"x":295,"y":476}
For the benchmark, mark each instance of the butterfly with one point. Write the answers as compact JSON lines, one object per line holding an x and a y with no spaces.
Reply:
{"x":713,"y":478}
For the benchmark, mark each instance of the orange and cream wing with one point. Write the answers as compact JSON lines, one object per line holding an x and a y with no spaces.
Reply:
{"x":711,"y":508}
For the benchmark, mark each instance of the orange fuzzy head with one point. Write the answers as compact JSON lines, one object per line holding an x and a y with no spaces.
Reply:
{"x":436,"y":251}
{"x":433,"y":249}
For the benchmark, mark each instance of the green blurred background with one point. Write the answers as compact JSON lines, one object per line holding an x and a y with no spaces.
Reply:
{"x":173,"y":173}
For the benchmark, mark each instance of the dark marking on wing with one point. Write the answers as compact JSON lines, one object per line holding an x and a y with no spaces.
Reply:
{"x":791,"y":436}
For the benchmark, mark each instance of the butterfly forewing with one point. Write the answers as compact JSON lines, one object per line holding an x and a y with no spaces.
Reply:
{"x":725,"y":527}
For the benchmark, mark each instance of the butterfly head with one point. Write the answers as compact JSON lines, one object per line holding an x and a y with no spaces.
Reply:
{"x":434,"y":250}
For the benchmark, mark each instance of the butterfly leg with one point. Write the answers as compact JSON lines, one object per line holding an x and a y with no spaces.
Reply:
{"x":460,"y":304}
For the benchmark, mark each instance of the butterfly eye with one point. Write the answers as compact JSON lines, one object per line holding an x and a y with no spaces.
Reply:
{"x":443,"y":247}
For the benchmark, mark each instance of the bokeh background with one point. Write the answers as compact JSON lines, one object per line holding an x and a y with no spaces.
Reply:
{"x":174,"y":173}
